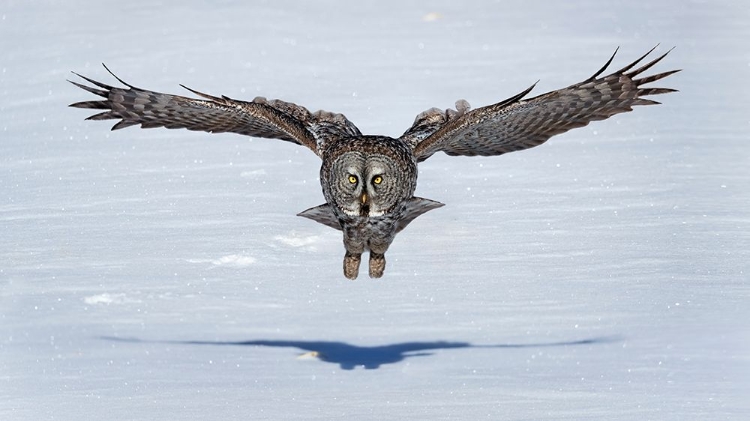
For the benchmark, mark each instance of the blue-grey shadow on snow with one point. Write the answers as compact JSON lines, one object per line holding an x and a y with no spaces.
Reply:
{"x":349,"y":356}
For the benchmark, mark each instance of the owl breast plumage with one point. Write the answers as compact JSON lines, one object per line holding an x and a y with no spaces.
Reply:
{"x":368,"y":182}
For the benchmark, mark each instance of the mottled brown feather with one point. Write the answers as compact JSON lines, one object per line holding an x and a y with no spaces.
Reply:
{"x":515,"y":124}
{"x":260,"y":118}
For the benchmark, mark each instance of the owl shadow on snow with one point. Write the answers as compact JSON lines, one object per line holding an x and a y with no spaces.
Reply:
{"x":349,"y":356}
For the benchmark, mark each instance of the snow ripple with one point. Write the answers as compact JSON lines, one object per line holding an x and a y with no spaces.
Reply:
{"x":107,"y":298}
{"x":297,"y":241}
{"x":234,"y":261}
{"x":230,"y":261}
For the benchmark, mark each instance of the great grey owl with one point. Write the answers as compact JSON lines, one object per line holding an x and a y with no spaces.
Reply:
{"x":369,"y":181}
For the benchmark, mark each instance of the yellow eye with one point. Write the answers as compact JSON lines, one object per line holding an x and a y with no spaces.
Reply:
{"x":353,"y":179}
{"x":377,"y":180}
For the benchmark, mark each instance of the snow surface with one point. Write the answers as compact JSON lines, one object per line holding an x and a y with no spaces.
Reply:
{"x":157,"y":274}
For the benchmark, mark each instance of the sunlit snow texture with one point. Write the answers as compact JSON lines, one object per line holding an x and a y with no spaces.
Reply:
{"x":163,"y":275}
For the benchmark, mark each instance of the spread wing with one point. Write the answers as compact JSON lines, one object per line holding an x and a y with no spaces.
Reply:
{"x":273,"y":119}
{"x":516,"y":124}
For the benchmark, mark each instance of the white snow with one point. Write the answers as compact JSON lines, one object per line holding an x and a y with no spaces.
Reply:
{"x":162,"y":274}
{"x":295,"y":240}
{"x":107,"y":298}
{"x":232,"y":260}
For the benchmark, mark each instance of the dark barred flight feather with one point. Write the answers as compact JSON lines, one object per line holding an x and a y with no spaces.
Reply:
{"x":515,"y":124}
{"x":273,"y":119}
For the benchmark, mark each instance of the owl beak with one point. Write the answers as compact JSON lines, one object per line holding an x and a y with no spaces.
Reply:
{"x":364,"y":198}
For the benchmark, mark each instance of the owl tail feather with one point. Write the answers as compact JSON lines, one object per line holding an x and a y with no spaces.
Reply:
{"x":323,"y":214}
{"x":415,"y":207}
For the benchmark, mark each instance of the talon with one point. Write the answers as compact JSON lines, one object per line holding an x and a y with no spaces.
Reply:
{"x":351,"y":265}
{"x":377,"y":265}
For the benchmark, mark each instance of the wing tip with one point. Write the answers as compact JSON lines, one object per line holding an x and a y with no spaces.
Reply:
{"x":646,"y":66}
{"x":117,"y":77}
{"x":201,"y":94}
{"x":606,"y":65}
{"x":98,"y":92}
{"x":123,"y":124}
{"x":517,"y":97}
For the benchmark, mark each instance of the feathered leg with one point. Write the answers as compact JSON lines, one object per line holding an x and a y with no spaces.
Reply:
{"x":351,"y":265}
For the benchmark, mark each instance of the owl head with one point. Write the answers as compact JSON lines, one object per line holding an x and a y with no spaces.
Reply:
{"x":369,"y":176}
